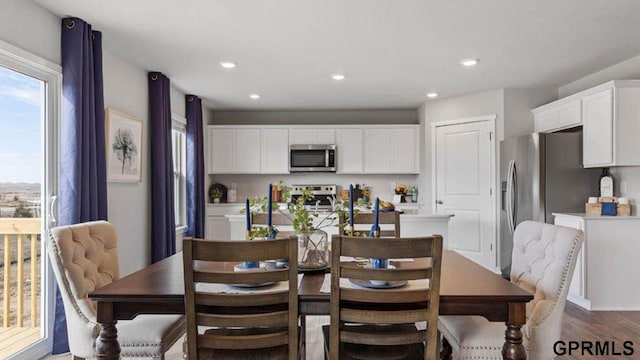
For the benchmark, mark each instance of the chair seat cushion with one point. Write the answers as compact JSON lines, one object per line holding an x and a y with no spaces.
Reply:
{"x":149,"y":335}
{"x":375,"y":352}
{"x":473,"y":337}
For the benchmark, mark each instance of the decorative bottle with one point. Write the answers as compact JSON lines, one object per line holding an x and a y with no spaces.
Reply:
{"x":606,"y":183}
{"x":414,"y":194}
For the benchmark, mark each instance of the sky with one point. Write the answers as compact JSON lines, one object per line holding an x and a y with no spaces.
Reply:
{"x":21,"y":99}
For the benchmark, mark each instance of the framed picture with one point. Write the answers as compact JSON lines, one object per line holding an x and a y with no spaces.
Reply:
{"x":124,"y":147}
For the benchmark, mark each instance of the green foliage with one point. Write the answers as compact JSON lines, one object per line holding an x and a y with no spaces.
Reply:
{"x":22,"y":212}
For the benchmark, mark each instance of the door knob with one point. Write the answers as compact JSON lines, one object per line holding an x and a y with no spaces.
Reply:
{"x":439,"y":202}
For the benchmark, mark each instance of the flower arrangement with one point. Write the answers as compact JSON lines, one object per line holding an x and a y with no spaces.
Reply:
{"x":401,"y":189}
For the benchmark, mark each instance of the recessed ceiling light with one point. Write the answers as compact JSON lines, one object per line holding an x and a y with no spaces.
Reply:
{"x":432,"y":94}
{"x":227,"y":64}
{"x":469,"y":62}
{"x":254,"y":96}
{"x":337,"y":76}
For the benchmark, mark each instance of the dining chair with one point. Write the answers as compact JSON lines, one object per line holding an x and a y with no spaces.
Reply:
{"x":363,"y":222}
{"x":276,"y":219}
{"x":229,"y":319}
{"x":373,"y":312}
{"x":84,"y":257}
{"x":543,"y":259}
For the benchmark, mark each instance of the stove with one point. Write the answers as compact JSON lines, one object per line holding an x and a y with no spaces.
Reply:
{"x":323,"y":194}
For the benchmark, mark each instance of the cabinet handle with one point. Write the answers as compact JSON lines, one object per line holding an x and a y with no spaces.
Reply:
{"x":439,"y":202}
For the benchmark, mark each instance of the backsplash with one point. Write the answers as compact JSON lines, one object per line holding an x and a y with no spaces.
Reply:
{"x":254,"y":185}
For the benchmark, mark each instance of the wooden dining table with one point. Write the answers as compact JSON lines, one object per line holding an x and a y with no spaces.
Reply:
{"x":466,"y":289}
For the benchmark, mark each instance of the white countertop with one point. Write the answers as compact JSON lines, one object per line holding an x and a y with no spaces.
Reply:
{"x":424,"y":214}
{"x":597,"y":217}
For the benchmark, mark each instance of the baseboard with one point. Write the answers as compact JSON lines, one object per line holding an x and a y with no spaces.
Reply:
{"x":580,"y":301}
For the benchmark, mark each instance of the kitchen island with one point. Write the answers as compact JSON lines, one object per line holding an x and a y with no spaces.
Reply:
{"x":412,"y":223}
{"x":605,"y":277}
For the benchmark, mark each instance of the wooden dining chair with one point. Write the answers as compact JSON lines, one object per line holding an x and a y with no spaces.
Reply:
{"x":371,"y":323}
{"x":543,"y":259}
{"x":226,"y":323}
{"x":363,"y":222}
{"x":276,"y":219}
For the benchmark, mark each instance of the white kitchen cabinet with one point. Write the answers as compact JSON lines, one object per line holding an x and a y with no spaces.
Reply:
{"x":304,"y":136}
{"x":392,"y":150}
{"x":247,"y":151}
{"x":275,"y":151}
{"x":605,"y":277}
{"x":598,"y":129}
{"x":221,"y":150}
{"x":216,"y":223}
{"x":558,"y":115}
{"x":350,"y":144}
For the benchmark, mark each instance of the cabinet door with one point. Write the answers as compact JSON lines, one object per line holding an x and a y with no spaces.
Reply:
{"x":378,"y":151}
{"x":275,"y":151}
{"x":404,"y":144}
{"x":324,"y":136}
{"x":247,"y":151}
{"x":301,"y":136}
{"x":350,"y":151}
{"x":221,"y":151}
{"x":217,"y":228}
{"x":597,"y":112}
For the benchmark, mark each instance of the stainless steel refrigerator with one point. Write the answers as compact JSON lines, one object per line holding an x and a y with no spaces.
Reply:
{"x":541,"y":174}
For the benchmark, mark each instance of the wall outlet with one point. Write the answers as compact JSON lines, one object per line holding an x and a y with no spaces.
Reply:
{"x":393,"y":186}
{"x":623,"y":187}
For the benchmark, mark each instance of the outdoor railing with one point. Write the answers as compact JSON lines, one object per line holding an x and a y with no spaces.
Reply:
{"x":20,"y":247}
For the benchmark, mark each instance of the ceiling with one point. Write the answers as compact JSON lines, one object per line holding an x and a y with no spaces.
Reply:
{"x":392,"y":51}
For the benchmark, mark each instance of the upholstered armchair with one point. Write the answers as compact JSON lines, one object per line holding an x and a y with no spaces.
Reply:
{"x":84,"y":257}
{"x":543,"y":259}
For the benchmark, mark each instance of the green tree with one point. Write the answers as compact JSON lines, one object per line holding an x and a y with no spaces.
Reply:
{"x":22,"y":212}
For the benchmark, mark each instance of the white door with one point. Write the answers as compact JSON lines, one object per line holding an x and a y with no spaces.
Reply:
{"x":29,"y":107}
{"x":464,"y":177}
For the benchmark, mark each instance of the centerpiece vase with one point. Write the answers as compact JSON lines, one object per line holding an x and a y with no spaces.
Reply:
{"x":313,"y":250}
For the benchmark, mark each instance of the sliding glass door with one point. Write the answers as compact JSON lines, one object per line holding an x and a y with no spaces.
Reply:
{"x":29,"y":107}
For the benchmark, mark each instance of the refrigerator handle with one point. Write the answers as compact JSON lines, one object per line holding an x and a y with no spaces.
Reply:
{"x":510,"y":199}
{"x":514,"y":189}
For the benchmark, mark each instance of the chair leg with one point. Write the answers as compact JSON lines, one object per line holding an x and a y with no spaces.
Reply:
{"x":446,"y":353}
{"x":302,"y":349}
{"x":185,"y":348}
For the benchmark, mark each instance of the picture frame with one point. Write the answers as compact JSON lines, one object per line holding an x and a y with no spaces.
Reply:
{"x":124,"y":147}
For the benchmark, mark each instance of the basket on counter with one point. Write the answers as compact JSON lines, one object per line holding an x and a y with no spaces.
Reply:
{"x":596,"y":208}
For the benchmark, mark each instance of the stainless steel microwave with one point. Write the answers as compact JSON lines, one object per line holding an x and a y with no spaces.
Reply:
{"x":308,"y":158}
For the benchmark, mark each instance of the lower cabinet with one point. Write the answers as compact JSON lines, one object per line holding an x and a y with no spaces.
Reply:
{"x":605,"y":277}
{"x":216,"y":223}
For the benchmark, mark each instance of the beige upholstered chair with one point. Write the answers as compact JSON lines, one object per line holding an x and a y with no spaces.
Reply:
{"x":85,"y":257}
{"x":543,"y":260}
{"x":363,"y":222}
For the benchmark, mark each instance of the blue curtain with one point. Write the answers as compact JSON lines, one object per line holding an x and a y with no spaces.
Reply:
{"x":195,"y":168}
{"x":163,"y":224}
{"x":83,"y":182}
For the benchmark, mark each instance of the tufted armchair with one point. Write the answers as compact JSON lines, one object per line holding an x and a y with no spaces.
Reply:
{"x":85,"y":257}
{"x":543,"y":260}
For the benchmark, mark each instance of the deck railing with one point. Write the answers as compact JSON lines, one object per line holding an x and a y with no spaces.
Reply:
{"x":21,"y":246}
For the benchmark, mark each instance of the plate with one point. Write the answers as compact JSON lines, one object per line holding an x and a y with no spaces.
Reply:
{"x":252,"y":285}
{"x":312,"y":270}
{"x":386,"y":209}
{"x":379,"y":285}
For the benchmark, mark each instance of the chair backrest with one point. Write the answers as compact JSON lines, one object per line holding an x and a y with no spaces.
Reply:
{"x":418,"y":301}
{"x":276,"y":219}
{"x":363,"y":222}
{"x":209,"y":302}
{"x":543,"y":259}
{"x":84,"y":257}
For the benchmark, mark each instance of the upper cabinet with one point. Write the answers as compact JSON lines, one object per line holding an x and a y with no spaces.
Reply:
{"x":361,"y":149}
{"x":610,"y":116}
{"x":247,"y":150}
{"x":393,"y":150}
{"x":557,"y":117}
{"x":306,"y":135}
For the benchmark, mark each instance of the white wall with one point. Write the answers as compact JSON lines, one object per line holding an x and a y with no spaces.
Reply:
{"x":30,"y":27}
{"x":627,"y":179}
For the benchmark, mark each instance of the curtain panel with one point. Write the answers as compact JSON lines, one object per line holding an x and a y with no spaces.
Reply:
{"x":83,"y":182}
{"x":195,"y":168}
{"x":163,"y":224}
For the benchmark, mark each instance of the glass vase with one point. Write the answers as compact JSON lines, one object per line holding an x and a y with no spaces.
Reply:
{"x":313,"y":250}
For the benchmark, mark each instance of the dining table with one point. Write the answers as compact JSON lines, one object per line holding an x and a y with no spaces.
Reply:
{"x":466,"y":288}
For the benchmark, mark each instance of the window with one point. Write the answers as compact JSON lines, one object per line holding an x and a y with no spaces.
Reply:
{"x":178,"y":140}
